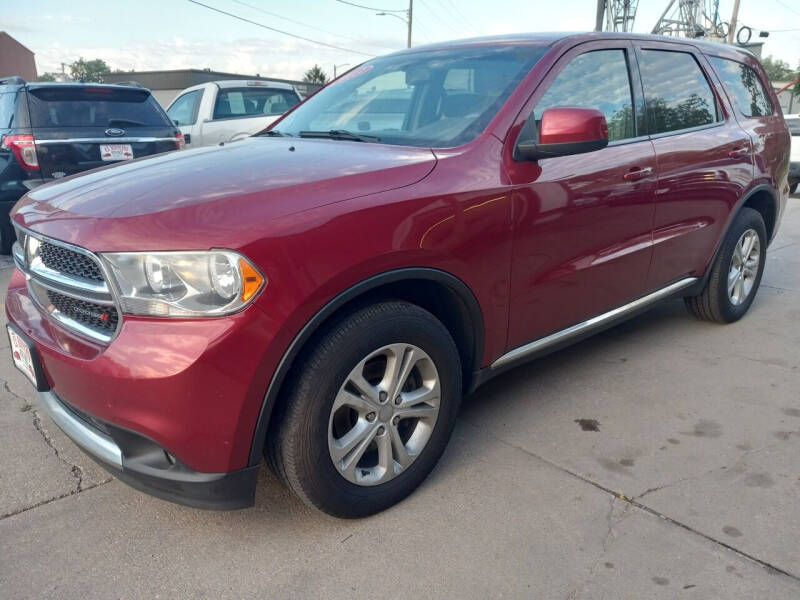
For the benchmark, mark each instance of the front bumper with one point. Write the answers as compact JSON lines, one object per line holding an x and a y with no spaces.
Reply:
{"x":169,"y":406}
{"x":146,"y":466}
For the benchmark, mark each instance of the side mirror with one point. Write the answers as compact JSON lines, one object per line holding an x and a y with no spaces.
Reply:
{"x":563,"y":131}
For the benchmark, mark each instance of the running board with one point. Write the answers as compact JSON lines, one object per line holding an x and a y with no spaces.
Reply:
{"x":597,"y":322}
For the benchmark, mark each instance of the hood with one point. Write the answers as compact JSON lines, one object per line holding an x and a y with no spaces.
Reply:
{"x":174,"y":198}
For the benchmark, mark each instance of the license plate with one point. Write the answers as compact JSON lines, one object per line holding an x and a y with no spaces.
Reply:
{"x":24,"y":357}
{"x":111,"y":152}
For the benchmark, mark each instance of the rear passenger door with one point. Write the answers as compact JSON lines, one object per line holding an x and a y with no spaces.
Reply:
{"x":704,"y":159}
{"x":757,"y":115}
{"x":582,"y":223}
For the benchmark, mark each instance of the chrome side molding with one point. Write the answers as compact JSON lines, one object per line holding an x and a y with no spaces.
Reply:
{"x":593,"y":323}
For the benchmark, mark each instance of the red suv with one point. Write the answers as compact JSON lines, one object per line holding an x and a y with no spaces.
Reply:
{"x":324,"y":293}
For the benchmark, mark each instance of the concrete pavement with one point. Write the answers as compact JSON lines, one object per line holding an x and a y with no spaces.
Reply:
{"x":656,"y":460}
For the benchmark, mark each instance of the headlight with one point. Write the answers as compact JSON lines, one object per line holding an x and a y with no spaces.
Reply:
{"x":183,"y":284}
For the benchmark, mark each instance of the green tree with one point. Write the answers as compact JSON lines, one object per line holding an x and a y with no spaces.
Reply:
{"x":315,"y":75}
{"x":47,"y":77}
{"x":89,"y":70}
{"x":777,"y":69}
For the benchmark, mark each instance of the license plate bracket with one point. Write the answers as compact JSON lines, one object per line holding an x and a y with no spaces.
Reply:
{"x":115,"y":152}
{"x":26,"y":358}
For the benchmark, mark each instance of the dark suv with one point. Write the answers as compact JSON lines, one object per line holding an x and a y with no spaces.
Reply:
{"x":324,"y":293}
{"x":51,"y":130}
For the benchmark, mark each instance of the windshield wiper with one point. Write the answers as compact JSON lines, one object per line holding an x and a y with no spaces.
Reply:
{"x":271,"y":133}
{"x":339,"y":134}
{"x":125,"y":122}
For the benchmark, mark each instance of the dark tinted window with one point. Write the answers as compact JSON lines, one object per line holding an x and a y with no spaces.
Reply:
{"x":676,"y":92}
{"x":744,"y":87}
{"x":598,"y":80}
{"x":184,"y":110}
{"x":794,"y":125}
{"x":253,"y":102}
{"x":7,"y":110}
{"x":94,"y":107}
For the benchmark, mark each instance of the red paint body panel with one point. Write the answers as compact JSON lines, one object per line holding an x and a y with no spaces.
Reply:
{"x":540,"y":245}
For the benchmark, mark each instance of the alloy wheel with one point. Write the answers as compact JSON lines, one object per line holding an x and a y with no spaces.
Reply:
{"x":384,"y":414}
{"x":744,"y":267}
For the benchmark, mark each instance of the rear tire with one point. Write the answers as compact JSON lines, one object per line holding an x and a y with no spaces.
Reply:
{"x":736,"y":272}
{"x":352,"y":450}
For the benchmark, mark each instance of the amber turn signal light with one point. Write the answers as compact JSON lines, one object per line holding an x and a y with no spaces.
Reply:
{"x":251,"y":280}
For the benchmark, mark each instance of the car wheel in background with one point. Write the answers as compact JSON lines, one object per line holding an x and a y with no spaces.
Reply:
{"x":7,"y":235}
{"x":369,"y":411}
{"x":736,"y":272}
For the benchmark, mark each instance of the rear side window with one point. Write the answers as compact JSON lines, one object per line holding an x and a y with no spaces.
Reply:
{"x":597,"y":79}
{"x":744,"y":87}
{"x":94,"y":107}
{"x":7,"y":110}
{"x":184,"y":110}
{"x":677,"y":93}
{"x":253,"y":102}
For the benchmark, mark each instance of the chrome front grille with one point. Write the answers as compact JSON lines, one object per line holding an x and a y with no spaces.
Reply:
{"x":91,"y":314}
{"x":69,"y":262}
{"x":69,"y":285}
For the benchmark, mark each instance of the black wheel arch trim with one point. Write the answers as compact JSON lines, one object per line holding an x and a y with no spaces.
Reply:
{"x":461,"y":290}
{"x":762,"y":187}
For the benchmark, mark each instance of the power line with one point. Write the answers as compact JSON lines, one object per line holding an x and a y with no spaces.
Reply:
{"x":460,"y":15}
{"x":439,"y":18}
{"x":786,"y":6}
{"x":294,"y":35}
{"x":277,"y":16}
{"x":372,"y":8}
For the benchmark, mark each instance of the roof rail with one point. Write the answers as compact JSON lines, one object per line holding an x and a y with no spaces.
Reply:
{"x":129,"y":83}
{"x":14,"y":80}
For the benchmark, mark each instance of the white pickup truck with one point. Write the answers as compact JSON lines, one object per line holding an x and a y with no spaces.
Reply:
{"x":225,"y":111}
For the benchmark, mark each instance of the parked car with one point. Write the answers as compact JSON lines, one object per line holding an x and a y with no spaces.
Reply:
{"x":793,"y":121}
{"x":51,"y":130}
{"x":324,"y":293}
{"x":225,"y":111}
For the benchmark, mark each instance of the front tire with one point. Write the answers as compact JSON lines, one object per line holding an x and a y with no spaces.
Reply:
{"x":736,"y":272}
{"x":369,"y":410}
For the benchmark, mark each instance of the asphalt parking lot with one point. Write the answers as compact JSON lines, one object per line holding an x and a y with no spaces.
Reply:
{"x":656,"y":460}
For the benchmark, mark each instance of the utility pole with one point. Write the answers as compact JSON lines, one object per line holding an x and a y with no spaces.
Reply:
{"x":411,"y":15}
{"x":734,"y":17}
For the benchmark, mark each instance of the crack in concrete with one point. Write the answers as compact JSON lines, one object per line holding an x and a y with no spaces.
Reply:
{"x":643,"y":507}
{"x":55,"y":498}
{"x":76,"y":471}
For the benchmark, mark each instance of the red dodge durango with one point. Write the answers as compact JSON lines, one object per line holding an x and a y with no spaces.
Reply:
{"x":324,"y":293}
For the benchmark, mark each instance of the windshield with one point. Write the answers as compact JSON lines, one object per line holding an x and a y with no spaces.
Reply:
{"x":440,"y":98}
{"x":70,"y":106}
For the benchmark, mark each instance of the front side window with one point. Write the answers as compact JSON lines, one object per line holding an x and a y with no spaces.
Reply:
{"x":744,"y":87}
{"x":253,"y":102}
{"x":597,"y":79}
{"x":677,"y":93}
{"x":183,"y":111}
{"x":438,"y":98}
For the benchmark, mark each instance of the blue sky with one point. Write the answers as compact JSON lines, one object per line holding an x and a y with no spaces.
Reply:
{"x":173,"y":34}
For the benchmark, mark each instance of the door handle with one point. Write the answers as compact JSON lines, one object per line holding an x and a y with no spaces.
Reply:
{"x":637,"y":174}
{"x":739,"y":152}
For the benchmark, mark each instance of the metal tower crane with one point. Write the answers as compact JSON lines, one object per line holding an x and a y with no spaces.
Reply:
{"x":615,"y":15}
{"x":692,"y":18}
